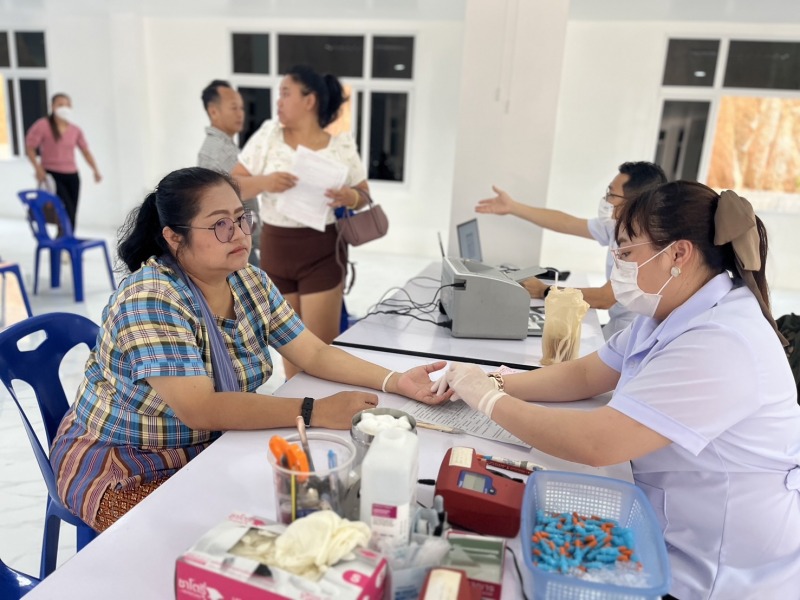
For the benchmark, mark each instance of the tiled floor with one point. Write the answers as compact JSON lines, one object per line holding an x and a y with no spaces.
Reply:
{"x":22,"y":492}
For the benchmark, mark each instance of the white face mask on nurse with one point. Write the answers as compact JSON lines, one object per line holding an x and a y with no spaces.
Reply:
{"x":625,"y":282}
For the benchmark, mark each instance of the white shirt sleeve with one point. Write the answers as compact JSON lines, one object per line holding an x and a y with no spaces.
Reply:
{"x":254,"y":154}
{"x":602,"y":230}
{"x":691,"y":390}
{"x":613,"y":352}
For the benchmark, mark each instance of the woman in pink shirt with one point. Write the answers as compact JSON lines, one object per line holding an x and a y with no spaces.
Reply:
{"x":55,"y":139}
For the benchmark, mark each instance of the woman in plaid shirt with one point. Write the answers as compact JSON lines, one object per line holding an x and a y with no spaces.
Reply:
{"x":148,"y":404}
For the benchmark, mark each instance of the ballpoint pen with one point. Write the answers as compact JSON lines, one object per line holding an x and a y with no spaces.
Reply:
{"x":519,"y":466}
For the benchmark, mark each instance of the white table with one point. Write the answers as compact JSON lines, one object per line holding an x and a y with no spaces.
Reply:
{"x":405,"y":335}
{"x":135,"y":558}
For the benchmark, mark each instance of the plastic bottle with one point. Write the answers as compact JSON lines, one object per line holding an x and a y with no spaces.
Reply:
{"x":389,"y":476}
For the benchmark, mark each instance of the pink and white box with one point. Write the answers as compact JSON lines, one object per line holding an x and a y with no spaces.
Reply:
{"x":208,"y":571}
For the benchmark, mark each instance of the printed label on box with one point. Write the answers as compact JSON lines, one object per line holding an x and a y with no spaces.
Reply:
{"x":389,"y":521}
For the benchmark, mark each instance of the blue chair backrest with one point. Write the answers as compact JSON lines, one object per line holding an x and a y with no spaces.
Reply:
{"x":36,"y":200}
{"x":38,"y":367}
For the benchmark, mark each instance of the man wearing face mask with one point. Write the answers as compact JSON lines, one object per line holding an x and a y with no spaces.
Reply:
{"x":55,"y":138}
{"x":632,"y":179}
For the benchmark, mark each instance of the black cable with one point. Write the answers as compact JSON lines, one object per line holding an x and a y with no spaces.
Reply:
{"x":519,"y":574}
{"x":405,"y":307}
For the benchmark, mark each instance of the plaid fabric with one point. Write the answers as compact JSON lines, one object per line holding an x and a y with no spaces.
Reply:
{"x":119,"y":432}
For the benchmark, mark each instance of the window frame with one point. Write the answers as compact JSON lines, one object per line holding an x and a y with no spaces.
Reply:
{"x":366,"y":84}
{"x":15,"y":73}
{"x":787,"y":202}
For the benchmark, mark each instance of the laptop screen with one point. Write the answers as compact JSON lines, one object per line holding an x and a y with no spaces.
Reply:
{"x":469,"y":242}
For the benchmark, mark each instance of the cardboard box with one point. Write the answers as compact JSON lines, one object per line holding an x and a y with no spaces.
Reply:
{"x":209,"y":571}
{"x":481,"y":558}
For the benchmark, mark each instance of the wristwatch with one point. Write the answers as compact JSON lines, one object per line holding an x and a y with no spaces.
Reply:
{"x":497,"y":379}
{"x":305,"y":410}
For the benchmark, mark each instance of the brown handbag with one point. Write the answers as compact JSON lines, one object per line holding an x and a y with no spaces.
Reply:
{"x":363,"y":226}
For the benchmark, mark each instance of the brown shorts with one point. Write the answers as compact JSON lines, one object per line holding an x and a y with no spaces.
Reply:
{"x":302,"y":260}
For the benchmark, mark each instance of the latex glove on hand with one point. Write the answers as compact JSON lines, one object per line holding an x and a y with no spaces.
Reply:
{"x":473,"y":386}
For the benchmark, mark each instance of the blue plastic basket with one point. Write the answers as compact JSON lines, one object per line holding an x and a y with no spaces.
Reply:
{"x":558,"y":492}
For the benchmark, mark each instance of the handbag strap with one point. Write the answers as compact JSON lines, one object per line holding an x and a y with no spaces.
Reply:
{"x":221,"y":363}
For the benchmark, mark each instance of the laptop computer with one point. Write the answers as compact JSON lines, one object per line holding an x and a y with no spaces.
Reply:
{"x":469,"y":240}
{"x":469,"y":249}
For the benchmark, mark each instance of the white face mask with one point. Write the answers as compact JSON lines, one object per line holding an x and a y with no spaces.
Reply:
{"x":605,"y":209}
{"x":64,"y":112}
{"x":625,"y":283}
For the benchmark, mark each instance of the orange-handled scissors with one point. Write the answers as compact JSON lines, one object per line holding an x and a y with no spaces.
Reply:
{"x":289,"y":456}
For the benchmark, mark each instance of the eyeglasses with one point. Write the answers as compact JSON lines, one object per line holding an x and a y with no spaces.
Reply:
{"x":615,"y":252}
{"x":223,"y":228}
{"x":609,"y":194}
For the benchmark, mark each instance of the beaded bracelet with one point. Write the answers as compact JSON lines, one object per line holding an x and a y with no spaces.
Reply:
{"x":497,"y":379}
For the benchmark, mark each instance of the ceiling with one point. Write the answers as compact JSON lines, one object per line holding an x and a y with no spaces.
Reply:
{"x":745,"y":11}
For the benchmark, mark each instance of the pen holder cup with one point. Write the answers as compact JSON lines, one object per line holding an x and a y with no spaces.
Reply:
{"x":362,"y":440}
{"x":331,"y":484}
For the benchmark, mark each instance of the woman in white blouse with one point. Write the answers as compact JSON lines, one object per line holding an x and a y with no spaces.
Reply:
{"x":305,"y":264}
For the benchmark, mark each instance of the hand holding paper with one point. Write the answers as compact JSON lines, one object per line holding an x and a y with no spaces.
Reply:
{"x":306,"y":202}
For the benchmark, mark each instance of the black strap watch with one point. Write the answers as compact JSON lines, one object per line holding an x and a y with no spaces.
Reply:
{"x":305,"y":410}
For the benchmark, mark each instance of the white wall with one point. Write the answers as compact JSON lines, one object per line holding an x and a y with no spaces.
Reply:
{"x":511,"y":70}
{"x":609,"y":112}
{"x":94,"y":59}
{"x":136,"y":82}
{"x":512,"y":93}
{"x":185,"y":54}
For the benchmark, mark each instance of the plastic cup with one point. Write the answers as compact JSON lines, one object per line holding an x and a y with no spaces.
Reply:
{"x":329,"y":486}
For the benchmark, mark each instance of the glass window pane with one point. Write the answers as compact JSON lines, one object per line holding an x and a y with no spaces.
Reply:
{"x":773,"y":65}
{"x":5,"y":59}
{"x":359,"y":119}
{"x":30,"y":49}
{"x":691,"y":62}
{"x":680,"y":138}
{"x":257,"y":109}
{"x":756,"y":145}
{"x":387,"y":143}
{"x":393,"y":57}
{"x":33,"y":99}
{"x":251,"y":53}
{"x":5,"y":122}
{"x":341,"y":55}
{"x":12,"y":121}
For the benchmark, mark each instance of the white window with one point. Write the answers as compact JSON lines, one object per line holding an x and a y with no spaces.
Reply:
{"x":23,"y":87}
{"x":731,"y":116}
{"x":377,"y":72}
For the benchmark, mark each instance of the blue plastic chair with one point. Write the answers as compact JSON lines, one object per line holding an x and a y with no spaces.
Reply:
{"x":35,"y":201}
{"x":14,"y":584}
{"x":39,"y":367}
{"x":13,"y":269}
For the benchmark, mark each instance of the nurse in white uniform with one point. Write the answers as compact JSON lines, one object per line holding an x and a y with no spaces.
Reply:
{"x":704,"y":403}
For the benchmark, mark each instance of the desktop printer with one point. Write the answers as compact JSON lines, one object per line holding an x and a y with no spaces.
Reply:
{"x":483,"y":302}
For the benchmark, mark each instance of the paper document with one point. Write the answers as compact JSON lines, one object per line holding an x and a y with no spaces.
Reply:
{"x":306,"y":202}
{"x":459,"y":414}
